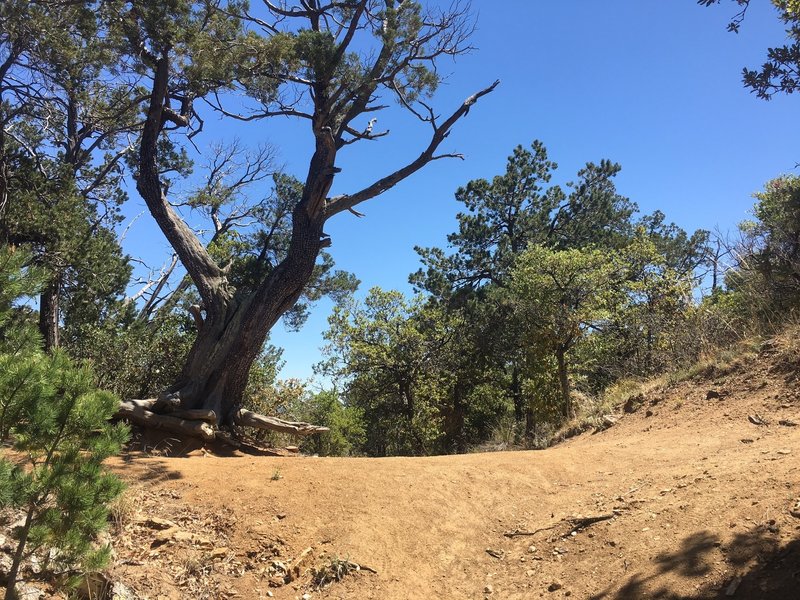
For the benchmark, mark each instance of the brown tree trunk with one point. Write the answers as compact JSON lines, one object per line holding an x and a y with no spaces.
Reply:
{"x":530,"y":422}
{"x":521,"y":411}
{"x":457,"y":438}
{"x":235,"y":326}
{"x":563,"y":381}
{"x":232,"y":336}
{"x":49,"y":314}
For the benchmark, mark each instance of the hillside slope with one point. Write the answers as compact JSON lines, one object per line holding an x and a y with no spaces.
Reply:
{"x":702,"y":499}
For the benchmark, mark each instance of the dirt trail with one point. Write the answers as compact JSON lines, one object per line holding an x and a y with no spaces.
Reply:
{"x":702,"y":499}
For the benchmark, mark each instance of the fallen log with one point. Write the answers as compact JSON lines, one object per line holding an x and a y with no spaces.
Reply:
{"x":248,"y":418}
{"x":141,"y":416}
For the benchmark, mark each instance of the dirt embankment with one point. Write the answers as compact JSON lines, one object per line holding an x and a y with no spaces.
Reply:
{"x":697,"y":489}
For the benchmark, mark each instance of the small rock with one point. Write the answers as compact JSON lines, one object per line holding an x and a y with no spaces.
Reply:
{"x":756,"y":420}
{"x":531,"y":549}
{"x":29,"y":592}
{"x":555,"y":586}
{"x":712,"y":394}
{"x":219,"y":552}
{"x":784,"y":451}
{"x":795,"y":510}
{"x":121,"y":592}
{"x":734,"y":585}
{"x":648,"y":413}
{"x":746,"y":440}
{"x":787,"y":423}
{"x":488,"y":589}
{"x":495,"y":553}
{"x":306,"y":597}
{"x":158,"y":523}
{"x":530,"y":572}
{"x":281,"y":516}
{"x":270,"y":594}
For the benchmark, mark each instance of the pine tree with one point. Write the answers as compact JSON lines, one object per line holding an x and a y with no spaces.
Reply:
{"x":57,"y":424}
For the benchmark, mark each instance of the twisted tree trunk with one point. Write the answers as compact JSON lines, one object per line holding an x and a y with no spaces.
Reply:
{"x":233,"y":325}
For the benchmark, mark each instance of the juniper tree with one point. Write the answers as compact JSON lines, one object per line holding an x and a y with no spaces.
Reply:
{"x":330,"y":65}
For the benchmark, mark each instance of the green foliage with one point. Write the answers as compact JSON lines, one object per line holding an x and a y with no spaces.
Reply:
{"x":517,"y":209}
{"x":600,"y":293}
{"x":763,"y":289}
{"x":132,"y":357}
{"x":57,"y":424}
{"x":779,"y":73}
{"x":347,"y":429}
{"x":385,"y":353}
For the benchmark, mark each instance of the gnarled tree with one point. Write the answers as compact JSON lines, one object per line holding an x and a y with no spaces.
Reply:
{"x":328,"y":63}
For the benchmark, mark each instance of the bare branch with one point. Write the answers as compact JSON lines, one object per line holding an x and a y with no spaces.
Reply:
{"x":346,"y":202}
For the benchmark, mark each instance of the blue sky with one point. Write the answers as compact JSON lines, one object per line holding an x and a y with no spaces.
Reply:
{"x":652,"y":84}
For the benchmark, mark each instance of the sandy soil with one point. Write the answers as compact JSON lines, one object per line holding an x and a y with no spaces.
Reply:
{"x":701,"y":498}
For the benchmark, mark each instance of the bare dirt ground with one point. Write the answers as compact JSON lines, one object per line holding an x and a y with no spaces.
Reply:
{"x":702,"y":499}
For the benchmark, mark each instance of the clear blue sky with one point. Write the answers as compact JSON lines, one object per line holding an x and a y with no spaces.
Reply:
{"x":652,"y":84}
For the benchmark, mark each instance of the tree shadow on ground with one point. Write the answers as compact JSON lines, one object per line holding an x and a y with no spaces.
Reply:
{"x":760,"y":567}
{"x":150,"y":471}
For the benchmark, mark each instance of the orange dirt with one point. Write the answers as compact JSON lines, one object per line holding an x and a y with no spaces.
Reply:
{"x":702,"y":499}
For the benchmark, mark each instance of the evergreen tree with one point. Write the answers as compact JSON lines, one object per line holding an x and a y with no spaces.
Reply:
{"x":57,"y":424}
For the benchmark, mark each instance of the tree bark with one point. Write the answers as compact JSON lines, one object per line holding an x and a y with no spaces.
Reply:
{"x":519,"y":405}
{"x":49,"y":314}
{"x":563,"y":381}
{"x":236,"y":324}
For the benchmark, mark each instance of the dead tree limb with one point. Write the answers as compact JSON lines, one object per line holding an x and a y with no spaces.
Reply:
{"x":575,"y":522}
{"x":250,"y":419}
{"x":141,"y":416}
{"x":581,"y":522}
{"x":519,"y":533}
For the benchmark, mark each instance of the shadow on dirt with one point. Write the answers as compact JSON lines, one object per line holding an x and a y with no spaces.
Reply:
{"x":151,"y":470}
{"x":759,"y":567}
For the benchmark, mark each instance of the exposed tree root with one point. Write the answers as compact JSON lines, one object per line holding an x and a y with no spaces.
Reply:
{"x":201,"y":423}
{"x":141,"y":416}
{"x":250,"y":419}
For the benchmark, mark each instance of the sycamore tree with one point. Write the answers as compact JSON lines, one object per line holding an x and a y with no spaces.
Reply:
{"x":331,"y":65}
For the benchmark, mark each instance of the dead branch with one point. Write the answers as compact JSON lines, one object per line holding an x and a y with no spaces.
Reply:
{"x":519,"y":533}
{"x":575,"y":522}
{"x":581,"y":522}
{"x":248,"y":418}
{"x":141,"y":416}
{"x":346,"y":202}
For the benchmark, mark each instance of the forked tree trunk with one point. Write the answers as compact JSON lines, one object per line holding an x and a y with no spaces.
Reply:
{"x":232,"y":336}
{"x":235,"y":326}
